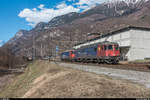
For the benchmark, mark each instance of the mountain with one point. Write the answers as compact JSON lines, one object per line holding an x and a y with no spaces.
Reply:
{"x":69,"y":29}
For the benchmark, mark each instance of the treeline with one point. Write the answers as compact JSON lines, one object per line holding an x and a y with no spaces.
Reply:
{"x":7,"y":59}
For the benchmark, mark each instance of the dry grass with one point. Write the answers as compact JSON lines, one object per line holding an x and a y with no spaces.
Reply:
{"x":44,"y":80}
{"x":145,"y":61}
{"x":23,"y":82}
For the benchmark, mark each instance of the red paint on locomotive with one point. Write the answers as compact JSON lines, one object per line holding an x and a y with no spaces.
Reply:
{"x":108,"y":50}
{"x":71,"y":54}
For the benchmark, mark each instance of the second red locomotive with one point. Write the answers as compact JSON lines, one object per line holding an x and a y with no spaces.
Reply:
{"x":104,"y":52}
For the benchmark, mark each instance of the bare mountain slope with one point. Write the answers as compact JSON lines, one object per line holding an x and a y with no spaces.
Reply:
{"x":66,"y":30}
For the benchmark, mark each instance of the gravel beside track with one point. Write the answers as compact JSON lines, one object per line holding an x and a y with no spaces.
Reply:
{"x":142,"y":78}
{"x":135,"y":67}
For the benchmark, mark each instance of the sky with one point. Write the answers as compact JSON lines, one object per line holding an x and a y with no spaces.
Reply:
{"x":25,"y":14}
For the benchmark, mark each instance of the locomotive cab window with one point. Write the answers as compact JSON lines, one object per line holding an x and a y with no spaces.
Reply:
{"x":105,"y":47}
{"x":116,"y":47}
{"x":110,"y":47}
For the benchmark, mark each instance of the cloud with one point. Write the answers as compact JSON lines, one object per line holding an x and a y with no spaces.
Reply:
{"x":41,"y":6}
{"x":61,"y":6}
{"x":1,"y":42}
{"x":34,"y":16}
{"x":42,"y":14}
{"x":87,"y":4}
{"x":71,"y":0}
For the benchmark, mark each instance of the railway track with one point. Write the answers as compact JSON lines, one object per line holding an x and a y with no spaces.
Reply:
{"x":136,"y":73}
{"x":9,"y":71}
{"x":136,"y":67}
{"x":4,"y":72}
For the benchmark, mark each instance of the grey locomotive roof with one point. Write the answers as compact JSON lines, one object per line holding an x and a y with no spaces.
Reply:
{"x":68,"y":50}
{"x":117,"y":31}
{"x":93,"y":34}
{"x":104,"y":43}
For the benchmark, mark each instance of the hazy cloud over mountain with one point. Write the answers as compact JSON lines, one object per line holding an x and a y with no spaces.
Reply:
{"x":43,"y":14}
{"x":1,"y":42}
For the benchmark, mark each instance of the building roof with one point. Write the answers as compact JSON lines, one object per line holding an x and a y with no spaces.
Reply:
{"x":115,"y":32}
{"x":104,"y":43}
{"x":68,"y":50}
{"x":89,"y":34}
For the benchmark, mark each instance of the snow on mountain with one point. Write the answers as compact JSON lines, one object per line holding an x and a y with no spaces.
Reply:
{"x":112,"y":3}
{"x":126,"y":1}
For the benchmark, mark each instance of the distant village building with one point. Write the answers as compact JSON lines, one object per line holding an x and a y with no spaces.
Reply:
{"x":134,"y":42}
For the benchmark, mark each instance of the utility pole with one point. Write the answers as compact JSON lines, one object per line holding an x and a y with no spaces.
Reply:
{"x":41,"y":51}
{"x":33,"y":47}
{"x":70,"y":39}
{"x":49,"y":50}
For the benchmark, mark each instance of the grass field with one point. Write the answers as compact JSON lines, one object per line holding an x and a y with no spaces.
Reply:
{"x":42,"y":79}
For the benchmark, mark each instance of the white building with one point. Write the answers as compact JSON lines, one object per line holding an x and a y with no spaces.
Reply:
{"x":134,"y":42}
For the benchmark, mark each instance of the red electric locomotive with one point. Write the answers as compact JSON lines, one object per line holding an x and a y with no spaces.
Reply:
{"x":108,"y":52}
{"x":103,"y":52}
{"x":67,"y":55}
